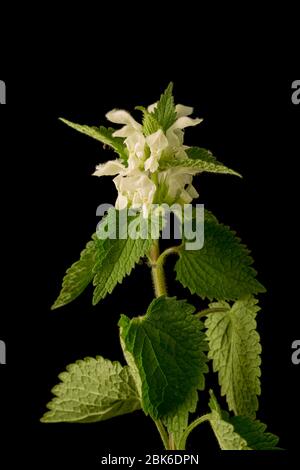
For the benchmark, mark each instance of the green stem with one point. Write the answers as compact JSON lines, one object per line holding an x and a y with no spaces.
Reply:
{"x":174,"y":250}
{"x":171,"y":442}
{"x":191,"y":427}
{"x":207,"y":311}
{"x":157,"y":270}
{"x":163,"y":433}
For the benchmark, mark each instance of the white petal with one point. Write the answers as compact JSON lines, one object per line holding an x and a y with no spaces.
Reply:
{"x":182,"y":110}
{"x":157,"y":141}
{"x":176,"y":179}
{"x":184,"y":122}
{"x":175,"y":137}
{"x":119,"y":116}
{"x":133,"y":162}
{"x":145,"y":211}
{"x":192,"y":191}
{"x":125,"y":131}
{"x":136,"y":143}
{"x":121,"y":202}
{"x":135,"y":189}
{"x":144,"y":187}
{"x":152,"y":107}
{"x":118,"y":180}
{"x":151,"y":164}
{"x":110,"y":168}
{"x":137,"y":200}
{"x":185,"y":197}
{"x":181,"y":154}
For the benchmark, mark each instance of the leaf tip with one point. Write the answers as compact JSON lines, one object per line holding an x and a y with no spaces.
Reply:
{"x":57,"y":304}
{"x":44,"y":419}
{"x":65,"y":121}
{"x":170,"y":87}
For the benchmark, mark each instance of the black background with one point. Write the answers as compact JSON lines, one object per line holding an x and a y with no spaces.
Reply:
{"x":49,"y":199}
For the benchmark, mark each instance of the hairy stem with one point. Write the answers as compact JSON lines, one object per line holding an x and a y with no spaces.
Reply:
{"x":157,"y":270}
{"x":174,"y":250}
{"x":192,"y":426}
{"x":171,"y":442}
{"x":163,"y":433}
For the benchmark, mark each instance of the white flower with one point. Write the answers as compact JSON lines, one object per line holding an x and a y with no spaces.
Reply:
{"x":138,"y":182}
{"x":119,"y":116}
{"x":157,"y":143}
{"x":178,"y":184}
{"x":110,"y":168}
{"x":135,"y":190}
{"x":175,"y":133}
{"x":135,"y":140}
{"x":182,"y":110}
{"x":134,"y":187}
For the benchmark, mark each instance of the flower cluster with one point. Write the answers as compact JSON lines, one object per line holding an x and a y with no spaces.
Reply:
{"x":140,"y":181}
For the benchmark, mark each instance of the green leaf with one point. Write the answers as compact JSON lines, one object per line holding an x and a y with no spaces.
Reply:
{"x":118,"y":256}
{"x":79,"y":275}
{"x":235,"y":351}
{"x":254,"y":433}
{"x":150,"y":124}
{"x":233,"y":432}
{"x":198,"y":153}
{"x":225,"y":433}
{"x":167,"y":346}
{"x":93,"y":390}
{"x":106,"y":261}
{"x":221,"y":269}
{"x":227,"y":438}
{"x":102,"y":134}
{"x":165,"y":112}
{"x":200,"y":160}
